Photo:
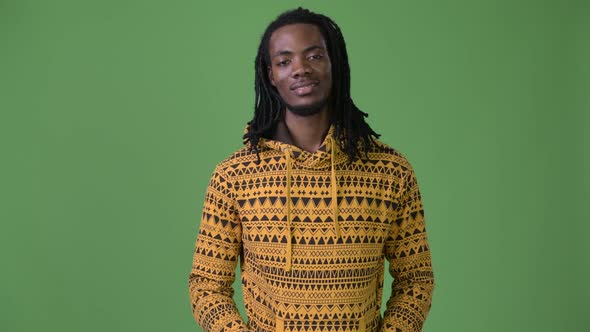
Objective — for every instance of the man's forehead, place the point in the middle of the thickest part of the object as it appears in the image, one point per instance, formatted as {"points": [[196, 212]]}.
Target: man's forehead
{"points": [[296, 38], [287, 51]]}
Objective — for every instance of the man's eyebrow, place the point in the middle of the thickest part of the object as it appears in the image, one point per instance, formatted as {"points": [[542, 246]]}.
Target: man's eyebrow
{"points": [[307, 49]]}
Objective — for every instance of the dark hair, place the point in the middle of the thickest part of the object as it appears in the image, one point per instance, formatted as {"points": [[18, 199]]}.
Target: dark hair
{"points": [[350, 126]]}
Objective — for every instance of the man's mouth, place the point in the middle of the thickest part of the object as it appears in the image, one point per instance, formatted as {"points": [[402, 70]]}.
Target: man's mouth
{"points": [[304, 88]]}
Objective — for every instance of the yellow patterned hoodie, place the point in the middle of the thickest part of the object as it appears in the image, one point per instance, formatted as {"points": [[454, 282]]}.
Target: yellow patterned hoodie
{"points": [[312, 232]]}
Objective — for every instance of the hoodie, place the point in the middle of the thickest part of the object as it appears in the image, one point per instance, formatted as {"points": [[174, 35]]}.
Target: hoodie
{"points": [[312, 233]]}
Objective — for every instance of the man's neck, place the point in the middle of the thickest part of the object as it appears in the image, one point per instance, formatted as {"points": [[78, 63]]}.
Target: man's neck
{"points": [[305, 132]]}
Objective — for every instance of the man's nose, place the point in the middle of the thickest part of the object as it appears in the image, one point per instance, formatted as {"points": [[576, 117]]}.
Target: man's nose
{"points": [[300, 68]]}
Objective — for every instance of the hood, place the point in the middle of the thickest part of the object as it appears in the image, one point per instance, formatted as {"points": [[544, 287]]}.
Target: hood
{"points": [[328, 157]]}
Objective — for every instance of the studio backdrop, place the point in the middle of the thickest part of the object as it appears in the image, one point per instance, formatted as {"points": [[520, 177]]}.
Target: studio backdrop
{"points": [[114, 114]]}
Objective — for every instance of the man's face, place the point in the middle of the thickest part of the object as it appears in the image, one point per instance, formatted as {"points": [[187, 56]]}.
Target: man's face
{"points": [[300, 68]]}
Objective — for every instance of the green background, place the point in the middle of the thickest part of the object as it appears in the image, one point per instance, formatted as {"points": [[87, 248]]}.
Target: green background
{"points": [[114, 114]]}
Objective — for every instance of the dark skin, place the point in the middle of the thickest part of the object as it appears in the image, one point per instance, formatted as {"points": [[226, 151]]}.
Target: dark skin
{"points": [[301, 72]]}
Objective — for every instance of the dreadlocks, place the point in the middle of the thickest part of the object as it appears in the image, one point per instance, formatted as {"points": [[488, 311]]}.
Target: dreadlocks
{"points": [[350, 126]]}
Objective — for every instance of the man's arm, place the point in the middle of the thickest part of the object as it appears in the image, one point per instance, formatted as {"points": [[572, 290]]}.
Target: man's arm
{"points": [[408, 253], [215, 258]]}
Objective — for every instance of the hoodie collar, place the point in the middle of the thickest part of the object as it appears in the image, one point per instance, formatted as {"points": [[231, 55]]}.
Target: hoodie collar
{"points": [[326, 154]]}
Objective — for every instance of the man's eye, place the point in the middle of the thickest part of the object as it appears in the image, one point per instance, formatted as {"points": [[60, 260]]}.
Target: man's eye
{"points": [[316, 56], [283, 63]]}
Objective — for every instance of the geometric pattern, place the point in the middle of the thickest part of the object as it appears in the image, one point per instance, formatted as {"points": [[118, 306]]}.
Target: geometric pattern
{"points": [[312, 233]]}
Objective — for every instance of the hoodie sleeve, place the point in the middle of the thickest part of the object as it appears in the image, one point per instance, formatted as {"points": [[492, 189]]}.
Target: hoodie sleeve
{"points": [[216, 253], [408, 253]]}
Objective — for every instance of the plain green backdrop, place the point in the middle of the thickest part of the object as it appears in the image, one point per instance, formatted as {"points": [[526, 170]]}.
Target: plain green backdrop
{"points": [[114, 114]]}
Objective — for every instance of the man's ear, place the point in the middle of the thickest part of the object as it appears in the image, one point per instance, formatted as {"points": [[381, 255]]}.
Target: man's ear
{"points": [[272, 81]]}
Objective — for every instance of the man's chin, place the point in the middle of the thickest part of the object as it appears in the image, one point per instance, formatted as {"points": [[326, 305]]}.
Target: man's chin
{"points": [[307, 110]]}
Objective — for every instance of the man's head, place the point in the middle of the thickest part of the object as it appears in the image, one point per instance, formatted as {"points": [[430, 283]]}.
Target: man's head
{"points": [[299, 35], [299, 68]]}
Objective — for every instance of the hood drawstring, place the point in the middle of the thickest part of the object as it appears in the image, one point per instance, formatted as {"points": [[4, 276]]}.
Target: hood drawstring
{"points": [[288, 206], [334, 184], [334, 194]]}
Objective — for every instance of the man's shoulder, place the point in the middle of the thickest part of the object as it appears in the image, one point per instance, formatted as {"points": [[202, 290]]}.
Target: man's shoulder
{"points": [[382, 152], [239, 158]]}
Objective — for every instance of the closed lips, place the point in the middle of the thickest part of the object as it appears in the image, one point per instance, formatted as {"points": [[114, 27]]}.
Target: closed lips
{"points": [[303, 84]]}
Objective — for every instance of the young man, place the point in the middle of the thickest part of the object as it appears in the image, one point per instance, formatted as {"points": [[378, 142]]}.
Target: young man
{"points": [[313, 204]]}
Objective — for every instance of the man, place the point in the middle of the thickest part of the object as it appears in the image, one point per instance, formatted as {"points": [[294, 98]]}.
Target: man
{"points": [[313, 204]]}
